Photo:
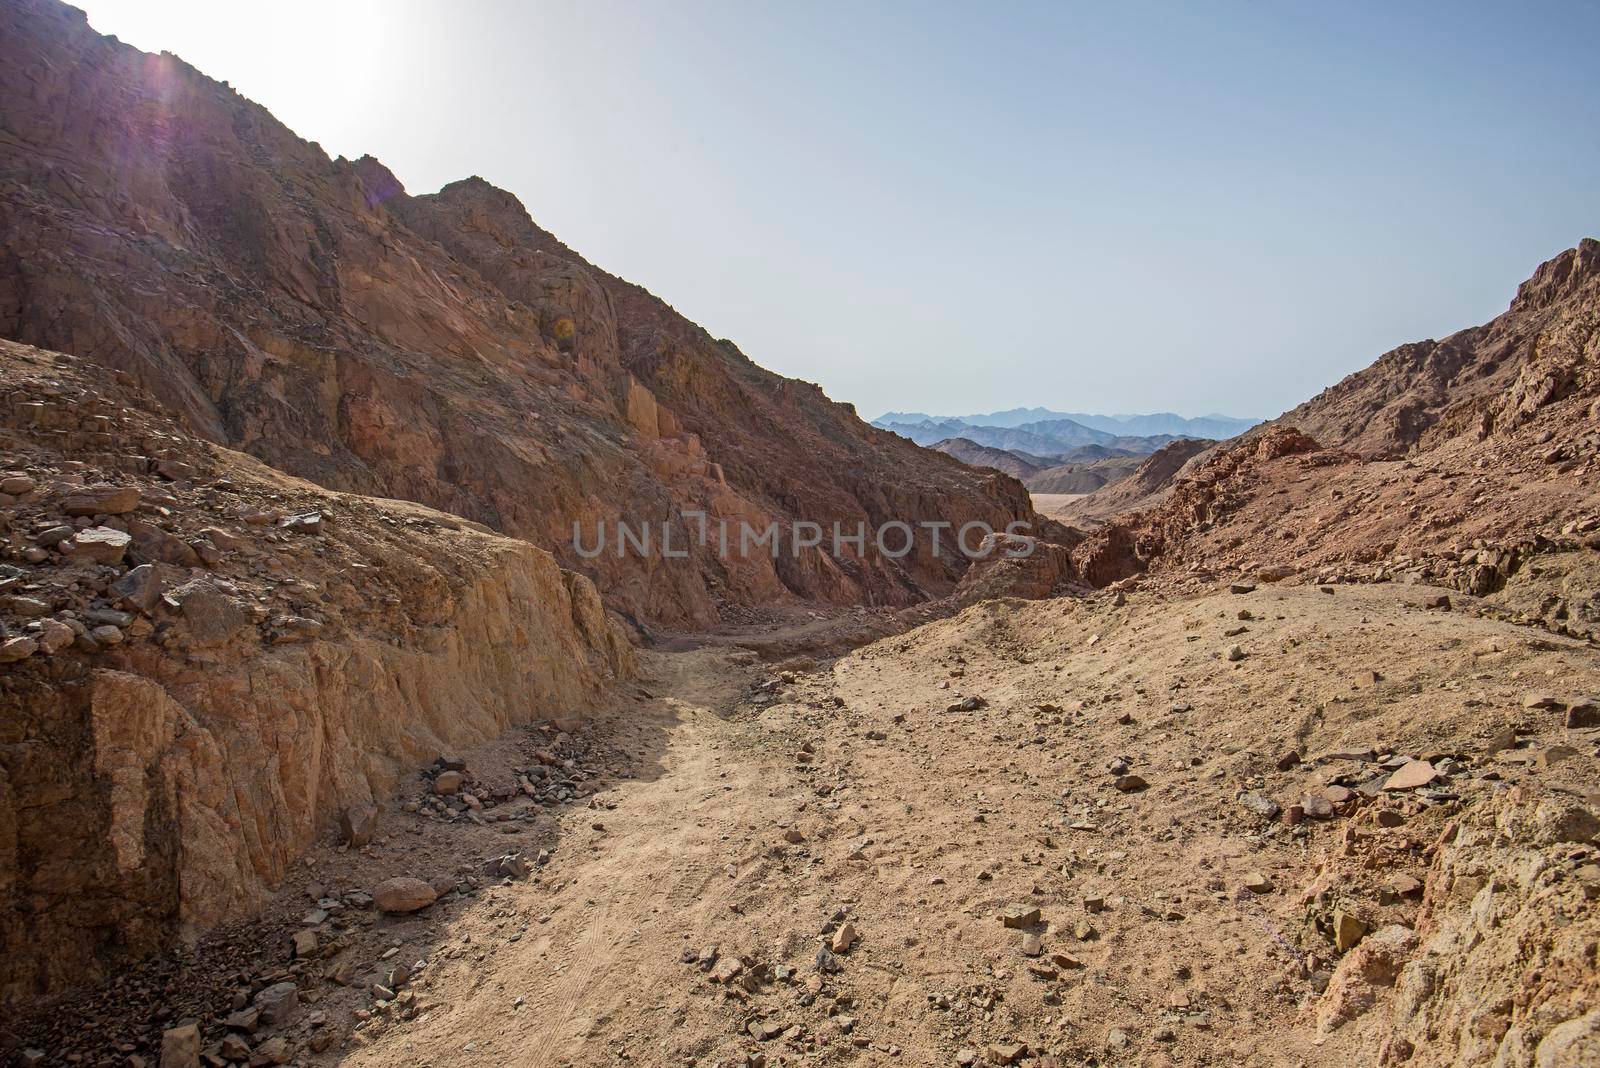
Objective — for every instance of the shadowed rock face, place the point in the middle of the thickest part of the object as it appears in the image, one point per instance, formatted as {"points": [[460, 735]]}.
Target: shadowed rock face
{"points": [[439, 348]]}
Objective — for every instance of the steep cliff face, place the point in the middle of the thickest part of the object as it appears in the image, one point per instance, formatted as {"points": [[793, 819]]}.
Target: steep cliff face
{"points": [[438, 348], [204, 662]]}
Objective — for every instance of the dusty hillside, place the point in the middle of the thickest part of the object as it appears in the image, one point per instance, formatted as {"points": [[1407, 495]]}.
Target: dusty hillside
{"points": [[1468, 513], [1085, 477], [205, 663], [1474, 394], [1484, 381], [1142, 487], [437, 348]]}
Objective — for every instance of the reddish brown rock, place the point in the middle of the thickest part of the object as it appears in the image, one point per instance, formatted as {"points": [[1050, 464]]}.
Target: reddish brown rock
{"points": [[1410, 776], [101, 500], [99, 545], [403, 894]]}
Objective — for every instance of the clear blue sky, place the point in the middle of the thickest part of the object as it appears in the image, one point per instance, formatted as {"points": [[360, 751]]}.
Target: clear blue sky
{"points": [[1195, 207]]}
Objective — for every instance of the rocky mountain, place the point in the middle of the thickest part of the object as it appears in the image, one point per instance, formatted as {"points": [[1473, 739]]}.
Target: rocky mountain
{"points": [[1090, 453], [1054, 438], [1478, 382], [1018, 465], [439, 348], [1476, 392], [1090, 466], [1085, 477], [1139, 486]]}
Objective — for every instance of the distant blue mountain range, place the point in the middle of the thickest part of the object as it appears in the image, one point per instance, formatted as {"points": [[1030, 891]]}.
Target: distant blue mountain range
{"points": [[1040, 420]]}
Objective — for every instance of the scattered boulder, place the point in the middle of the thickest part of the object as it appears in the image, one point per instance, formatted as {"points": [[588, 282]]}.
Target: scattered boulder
{"points": [[234, 1048], [1348, 929], [99, 545], [25, 607], [510, 866], [278, 1004], [1411, 775], [153, 545], [1583, 714], [304, 943], [1007, 1052], [1260, 805], [101, 500], [302, 523], [222, 539], [358, 824], [108, 634], [274, 1050], [54, 636], [140, 588], [1316, 806], [53, 536], [212, 616], [403, 894], [180, 1047]]}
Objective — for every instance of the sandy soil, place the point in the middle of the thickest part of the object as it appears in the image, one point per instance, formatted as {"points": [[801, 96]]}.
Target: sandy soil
{"points": [[750, 811], [1054, 504]]}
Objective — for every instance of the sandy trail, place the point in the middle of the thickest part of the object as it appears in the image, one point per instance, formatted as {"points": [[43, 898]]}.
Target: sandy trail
{"points": [[766, 807], [615, 905]]}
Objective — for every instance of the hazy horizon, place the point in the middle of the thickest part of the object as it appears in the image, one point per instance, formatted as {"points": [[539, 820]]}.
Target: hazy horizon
{"points": [[1152, 209], [1064, 413]]}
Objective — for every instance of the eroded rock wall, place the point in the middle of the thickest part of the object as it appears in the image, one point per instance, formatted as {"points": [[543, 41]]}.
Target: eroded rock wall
{"points": [[191, 697]]}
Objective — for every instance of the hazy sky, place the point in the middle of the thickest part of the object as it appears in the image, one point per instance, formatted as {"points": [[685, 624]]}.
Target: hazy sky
{"points": [[1097, 207]]}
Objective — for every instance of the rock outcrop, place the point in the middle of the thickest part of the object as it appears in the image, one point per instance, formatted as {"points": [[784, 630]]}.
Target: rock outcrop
{"points": [[1215, 490], [177, 727], [438, 348], [1505, 973]]}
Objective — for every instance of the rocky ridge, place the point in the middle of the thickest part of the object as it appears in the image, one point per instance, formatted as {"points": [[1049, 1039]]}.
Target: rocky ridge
{"points": [[1481, 382], [1018, 465], [438, 348]]}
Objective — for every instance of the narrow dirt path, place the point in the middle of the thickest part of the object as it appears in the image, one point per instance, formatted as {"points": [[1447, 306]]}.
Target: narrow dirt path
{"points": [[578, 968]]}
